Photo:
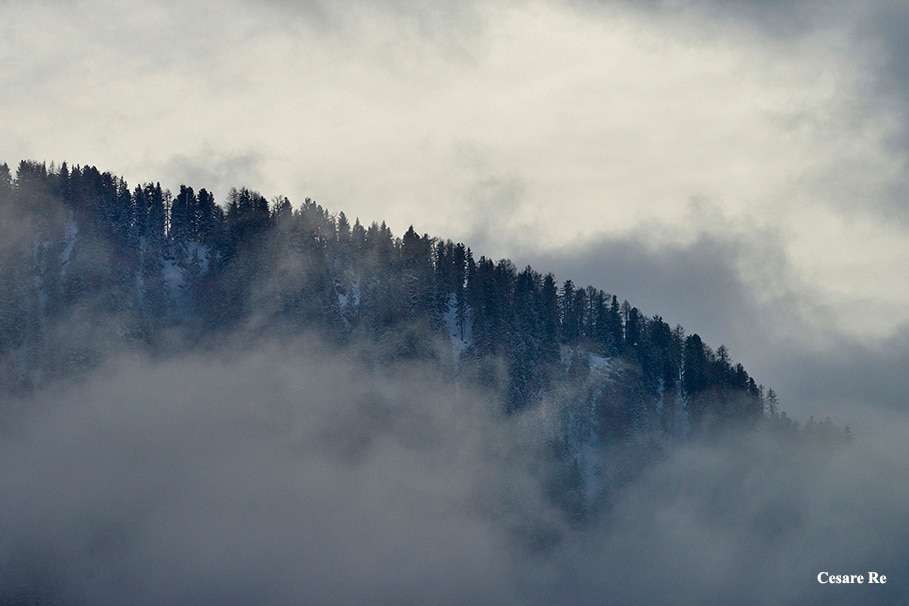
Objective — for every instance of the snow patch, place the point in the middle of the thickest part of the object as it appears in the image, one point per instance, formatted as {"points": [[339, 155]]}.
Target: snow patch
{"points": [[599, 363], [69, 242], [199, 254], [173, 275]]}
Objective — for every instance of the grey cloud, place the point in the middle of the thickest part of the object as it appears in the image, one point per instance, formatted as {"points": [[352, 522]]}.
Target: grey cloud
{"points": [[696, 285], [755, 522], [296, 475], [778, 18], [274, 477], [849, 378], [700, 285], [884, 36]]}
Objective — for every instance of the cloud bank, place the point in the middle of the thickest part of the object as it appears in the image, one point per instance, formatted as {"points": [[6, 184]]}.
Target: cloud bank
{"points": [[296, 475]]}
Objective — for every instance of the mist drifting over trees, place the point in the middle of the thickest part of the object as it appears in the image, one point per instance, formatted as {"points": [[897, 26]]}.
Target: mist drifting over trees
{"points": [[263, 402]]}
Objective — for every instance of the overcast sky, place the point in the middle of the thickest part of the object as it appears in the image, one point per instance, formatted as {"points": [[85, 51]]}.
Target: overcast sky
{"points": [[737, 167]]}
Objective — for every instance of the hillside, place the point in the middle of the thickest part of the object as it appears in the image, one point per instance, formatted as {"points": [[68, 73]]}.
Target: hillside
{"points": [[140, 265], [344, 341], [92, 267]]}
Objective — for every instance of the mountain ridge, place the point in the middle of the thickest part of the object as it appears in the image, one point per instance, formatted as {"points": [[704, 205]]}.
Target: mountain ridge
{"points": [[147, 267]]}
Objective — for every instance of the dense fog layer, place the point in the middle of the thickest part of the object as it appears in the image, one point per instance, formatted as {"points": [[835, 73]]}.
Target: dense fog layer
{"points": [[294, 474]]}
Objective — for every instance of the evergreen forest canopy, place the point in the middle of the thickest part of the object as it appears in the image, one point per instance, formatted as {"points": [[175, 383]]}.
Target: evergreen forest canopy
{"points": [[89, 263]]}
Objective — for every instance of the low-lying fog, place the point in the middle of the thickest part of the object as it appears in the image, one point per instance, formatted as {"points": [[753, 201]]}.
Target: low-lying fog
{"points": [[298, 475]]}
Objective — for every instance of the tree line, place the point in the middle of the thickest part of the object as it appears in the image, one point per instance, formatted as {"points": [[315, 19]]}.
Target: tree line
{"points": [[160, 259]]}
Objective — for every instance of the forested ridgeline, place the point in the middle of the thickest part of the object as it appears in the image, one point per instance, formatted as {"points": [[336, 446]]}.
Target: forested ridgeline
{"points": [[88, 262]]}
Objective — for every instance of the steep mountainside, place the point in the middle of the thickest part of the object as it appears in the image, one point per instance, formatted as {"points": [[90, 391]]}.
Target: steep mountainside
{"points": [[90, 267]]}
